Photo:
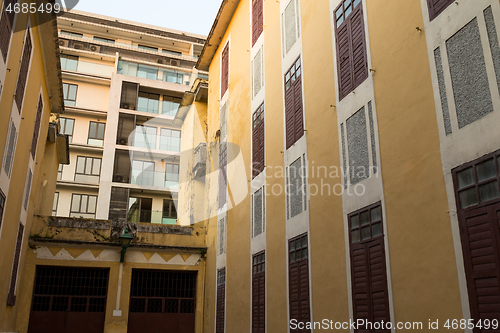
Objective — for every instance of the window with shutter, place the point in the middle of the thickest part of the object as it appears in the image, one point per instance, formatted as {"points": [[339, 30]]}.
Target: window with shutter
{"points": [[221, 301], [259, 212], [368, 267], [11, 297], [352, 60], [477, 194], [224, 80], [290, 26], [27, 189], [36, 130], [257, 19], [436, 7], [298, 281], [2, 206], [296, 185], [221, 235], [96, 133], [294, 118], [6, 27], [257, 72], [259, 293], [8, 157], [222, 174], [258, 141], [23, 71]]}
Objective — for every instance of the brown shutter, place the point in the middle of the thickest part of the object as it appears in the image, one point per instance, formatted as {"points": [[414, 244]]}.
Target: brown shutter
{"points": [[224, 70], [11, 297], [436, 7], [6, 22], [293, 104], [222, 174], [298, 282], [298, 114], [352, 63], [289, 117], [221, 301], [259, 294], [257, 19], [36, 130], [23, 72], [258, 142]]}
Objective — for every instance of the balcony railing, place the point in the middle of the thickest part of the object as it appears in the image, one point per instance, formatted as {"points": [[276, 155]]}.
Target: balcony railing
{"points": [[149, 216], [86, 67], [154, 73], [152, 178]]}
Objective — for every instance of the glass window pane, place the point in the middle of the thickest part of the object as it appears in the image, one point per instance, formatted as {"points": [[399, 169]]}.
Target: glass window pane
{"points": [[486, 170], [348, 11], [304, 253], [338, 13], [292, 246], [80, 164], [354, 221], [498, 163], [356, 2], [339, 21], [365, 233], [92, 130], [468, 198], [465, 178], [83, 205], [298, 255], [292, 257], [365, 218], [92, 204], [96, 168], [355, 236], [72, 92], [100, 131], [304, 241], [376, 214], [377, 229], [75, 203], [489, 191]]}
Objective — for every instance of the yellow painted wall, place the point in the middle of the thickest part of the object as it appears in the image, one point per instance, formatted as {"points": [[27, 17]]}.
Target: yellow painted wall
{"points": [[422, 258], [90, 95]]}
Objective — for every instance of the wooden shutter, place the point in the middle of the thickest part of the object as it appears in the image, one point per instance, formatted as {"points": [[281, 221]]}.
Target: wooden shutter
{"points": [[289, 117], [6, 27], [259, 294], [11, 298], [222, 174], [258, 141], [298, 282], [294, 117], [36, 130], [224, 71], [221, 301], [436, 7], [298, 114], [257, 19], [352, 63], [23, 72]]}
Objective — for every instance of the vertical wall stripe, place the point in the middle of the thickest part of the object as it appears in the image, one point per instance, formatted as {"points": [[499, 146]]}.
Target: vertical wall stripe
{"points": [[442, 91], [344, 159], [493, 38], [372, 137]]}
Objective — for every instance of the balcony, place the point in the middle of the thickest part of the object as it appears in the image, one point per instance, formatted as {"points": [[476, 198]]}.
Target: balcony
{"points": [[200, 157], [69, 63], [154, 178]]}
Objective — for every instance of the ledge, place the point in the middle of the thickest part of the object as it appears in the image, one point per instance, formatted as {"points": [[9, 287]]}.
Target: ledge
{"points": [[164, 229], [68, 222]]}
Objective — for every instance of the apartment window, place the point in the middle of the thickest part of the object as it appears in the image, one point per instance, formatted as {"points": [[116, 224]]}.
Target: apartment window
{"points": [[368, 265], [222, 174], [145, 72], [96, 133], [145, 136], [170, 140], [170, 105], [171, 174], [169, 214], [173, 76], [298, 280], [257, 19], [55, 203], [224, 70], [293, 104], [6, 27], [36, 129], [221, 235], [2, 206], [221, 301], [436, 7], [258, 72], [143, 173], [259, 293], [27, 189], [478, 183], [69, 62], [148, 102], [8, 157], [23, 71], [66, 127], [296, 185], [88, 169], [59, 172], [147, 48], [140, 210], [352, 63], [290, 26], [171, 52], [72, 34], [258, 141], [69, 91], [11, 297], [259, 212], [83, 205], [104, 40]]}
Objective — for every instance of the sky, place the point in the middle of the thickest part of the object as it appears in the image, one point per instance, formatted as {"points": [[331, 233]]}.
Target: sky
{"points": [[195, 16]]}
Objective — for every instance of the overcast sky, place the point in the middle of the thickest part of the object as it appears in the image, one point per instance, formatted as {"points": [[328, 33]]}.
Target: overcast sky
{"points": [[196, 16]]}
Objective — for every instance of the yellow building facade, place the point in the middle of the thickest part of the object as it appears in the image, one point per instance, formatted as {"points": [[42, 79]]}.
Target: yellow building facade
{"points": [[31, 147], [352, 170]]}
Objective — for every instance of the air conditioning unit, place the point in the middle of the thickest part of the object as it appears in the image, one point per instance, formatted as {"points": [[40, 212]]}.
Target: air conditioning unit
{"points": [[160, 61], [63, 43], [126, 106], [118, 179], [95, 48], [174, 62], [122, 142], [78, 46]]}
